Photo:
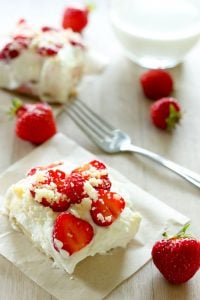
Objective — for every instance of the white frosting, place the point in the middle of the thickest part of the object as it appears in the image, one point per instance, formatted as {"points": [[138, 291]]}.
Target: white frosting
{"points": [[37, 222]]}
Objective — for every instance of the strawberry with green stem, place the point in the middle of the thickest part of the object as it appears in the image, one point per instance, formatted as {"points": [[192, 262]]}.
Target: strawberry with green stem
{"points": [[165, 113], [76, 18], [35, 122], [177, 257]]}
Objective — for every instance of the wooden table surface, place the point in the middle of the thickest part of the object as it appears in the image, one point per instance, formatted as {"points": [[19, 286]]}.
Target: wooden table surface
{"points": [[116, 94]]}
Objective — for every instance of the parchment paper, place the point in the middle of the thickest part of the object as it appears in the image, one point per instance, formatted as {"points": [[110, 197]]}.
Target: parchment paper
{"points": [[96, 276]]}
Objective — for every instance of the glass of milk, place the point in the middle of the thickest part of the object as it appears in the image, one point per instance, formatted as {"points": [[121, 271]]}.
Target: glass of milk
{"points": [[156, 33]]}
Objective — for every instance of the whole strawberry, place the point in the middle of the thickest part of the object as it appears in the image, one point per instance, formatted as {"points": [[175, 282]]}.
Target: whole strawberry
{"points": [[165, 113], [75, 18], [35, 122], [177, 257], [156, 84]]}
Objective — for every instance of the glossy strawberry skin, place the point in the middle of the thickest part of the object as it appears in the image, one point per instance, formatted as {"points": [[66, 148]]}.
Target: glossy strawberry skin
{"points": [[75, 18], [58, 178], [107, 208], [9, 52], [14, 48], [85, 169], [35, 123], [74, 188], [178, 259], [44, 51], [73, 232], [156, 84], [47, 29], [62, 205], [165, 113]]}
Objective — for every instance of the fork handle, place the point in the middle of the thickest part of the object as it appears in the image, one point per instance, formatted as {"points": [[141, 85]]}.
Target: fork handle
{"points": [[190, 176]]}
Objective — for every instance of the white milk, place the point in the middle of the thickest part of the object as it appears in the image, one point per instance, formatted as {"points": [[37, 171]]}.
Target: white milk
{"points": [[156, 33]]}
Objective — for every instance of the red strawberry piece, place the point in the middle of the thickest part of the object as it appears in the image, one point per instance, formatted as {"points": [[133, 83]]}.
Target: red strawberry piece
{"points": [[25, 89], [48, 28], [74, 188], [22, 40], [14, 48], [57, 177], [61, 205], [76, 44], [73, 233], [97, 164], [156, 84], [10, 51], [47, 51], [21, 21], [32, 171], [165, 113], [35, 122], [75, 18], [107, 208], [97, 170], [178, 257]]}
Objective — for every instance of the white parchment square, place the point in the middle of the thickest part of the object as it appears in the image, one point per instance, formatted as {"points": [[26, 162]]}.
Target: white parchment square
{"points": [[96, 276]]}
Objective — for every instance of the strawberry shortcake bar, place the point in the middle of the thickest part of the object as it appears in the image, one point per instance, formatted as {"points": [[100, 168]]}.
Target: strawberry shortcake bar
{"points": [[46, 62], [72, 213]]}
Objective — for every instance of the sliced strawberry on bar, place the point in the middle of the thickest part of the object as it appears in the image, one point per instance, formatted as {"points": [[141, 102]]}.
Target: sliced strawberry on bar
{"points": [[21, 21], [10, 51], [107, 208], [48, 28], [47, 51], [60, 205], [71, 233], [74, 188], [56, 176], [55, 179], [76, 44], [96, 172]]}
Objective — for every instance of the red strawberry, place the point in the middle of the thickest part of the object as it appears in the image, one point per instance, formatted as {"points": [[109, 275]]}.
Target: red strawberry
{"points": [[73, 233], [58, 178], [35, 122], [47, 29], [165, 113], [96, 170], [75, 18], [156, 84], [178, 257], [10, 51], [107, 208], [21, 21], [76, 44], [13, 49], [62, 204], [50, 51], [22, 40], [74, 188]]}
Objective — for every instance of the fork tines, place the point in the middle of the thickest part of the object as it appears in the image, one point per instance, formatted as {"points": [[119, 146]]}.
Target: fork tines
{"points": [[88, 120]]}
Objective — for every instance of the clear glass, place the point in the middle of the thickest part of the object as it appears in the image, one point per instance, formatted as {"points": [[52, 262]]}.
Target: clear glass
{"points": [[156, 33]]}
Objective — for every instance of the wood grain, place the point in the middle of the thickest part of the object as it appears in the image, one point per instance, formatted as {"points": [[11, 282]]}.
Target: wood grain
{"points": [[117, 95]]}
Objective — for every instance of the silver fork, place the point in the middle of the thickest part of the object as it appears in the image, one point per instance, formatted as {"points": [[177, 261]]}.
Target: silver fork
{"points": [[113, 140]]}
